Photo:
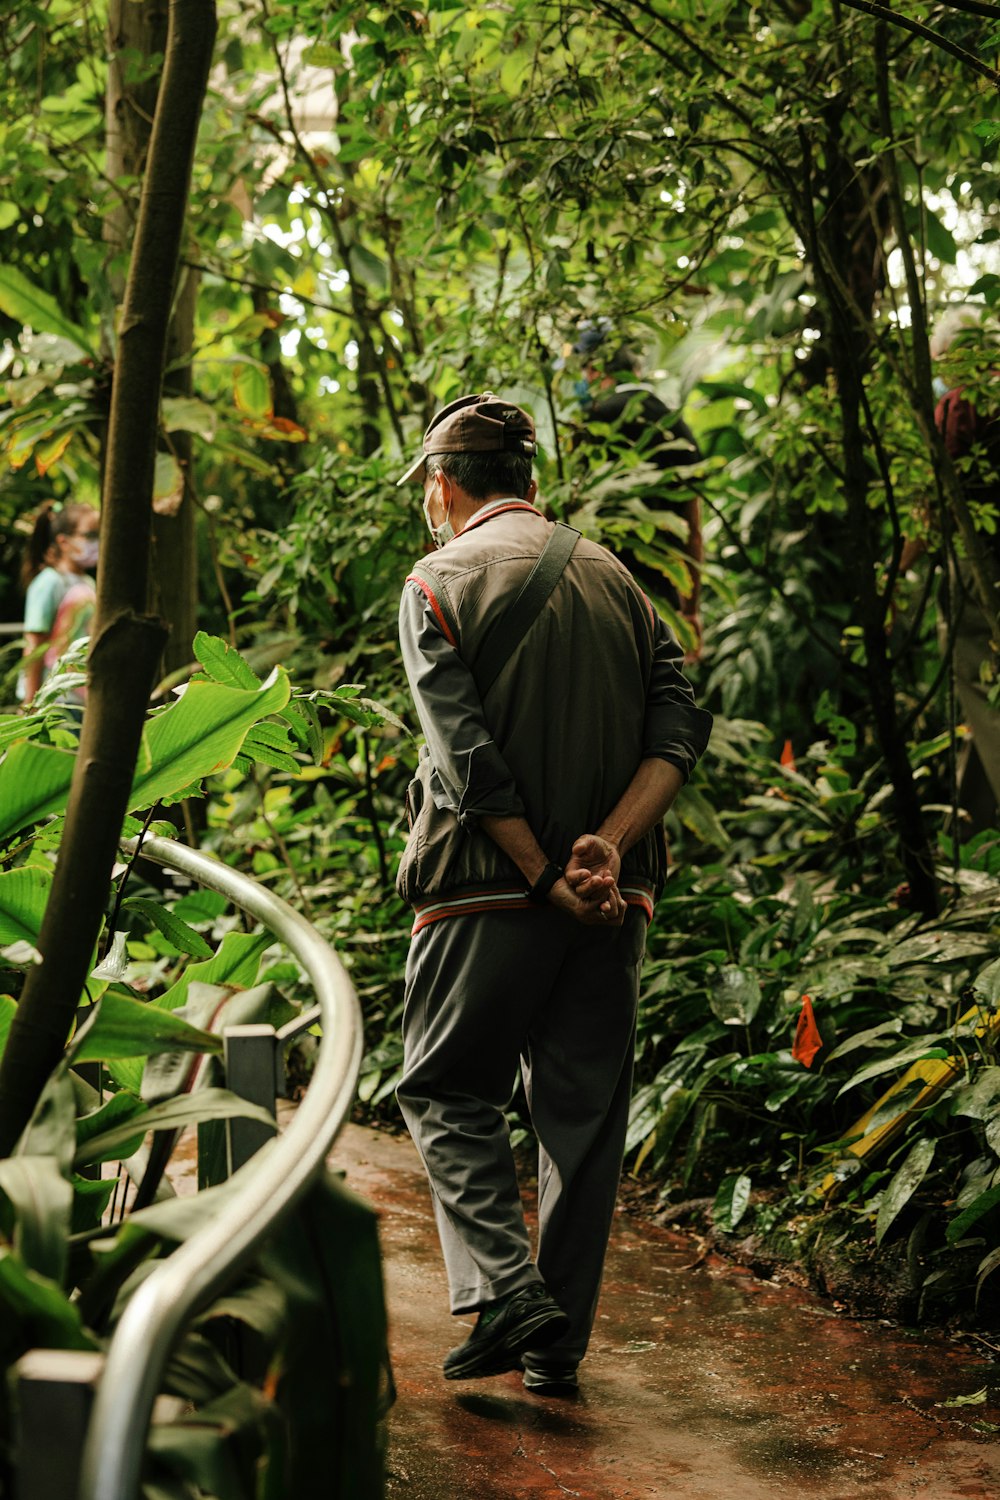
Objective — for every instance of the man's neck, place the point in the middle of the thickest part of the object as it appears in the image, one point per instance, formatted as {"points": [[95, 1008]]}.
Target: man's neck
{"points": [[464, 507]]}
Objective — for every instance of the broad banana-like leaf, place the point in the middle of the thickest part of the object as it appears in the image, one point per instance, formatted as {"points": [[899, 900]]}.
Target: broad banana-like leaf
{"points": [[30, 1304], [903, 1185], [51, 1131], [235, 964], [23, 894], [134, 1028], [172, 1114], [7, 1008], [202, 734], [41, 1202], [197, 736], [731, 1201], [26, 303], [34, 783]]}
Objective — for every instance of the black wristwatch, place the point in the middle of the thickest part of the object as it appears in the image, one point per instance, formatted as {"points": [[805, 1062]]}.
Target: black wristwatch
{"points": [[547, 879]]}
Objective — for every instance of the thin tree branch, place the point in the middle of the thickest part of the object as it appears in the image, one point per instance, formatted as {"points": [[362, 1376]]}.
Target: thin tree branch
{"points": [[892, 18], [973, 8]]}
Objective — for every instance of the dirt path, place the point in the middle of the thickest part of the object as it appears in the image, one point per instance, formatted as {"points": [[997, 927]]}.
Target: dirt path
{"points": [[702, 1383]]}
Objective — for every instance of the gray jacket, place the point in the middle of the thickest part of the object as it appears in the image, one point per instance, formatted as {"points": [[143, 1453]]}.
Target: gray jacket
{"points": [[592, 689]]}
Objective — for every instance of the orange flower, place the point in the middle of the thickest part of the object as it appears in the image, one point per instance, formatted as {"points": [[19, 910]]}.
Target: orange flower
{"points": [[807, 1038]]}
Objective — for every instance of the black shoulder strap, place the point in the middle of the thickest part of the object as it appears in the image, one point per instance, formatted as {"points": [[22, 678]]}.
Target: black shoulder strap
{"points": [[524, 608]]}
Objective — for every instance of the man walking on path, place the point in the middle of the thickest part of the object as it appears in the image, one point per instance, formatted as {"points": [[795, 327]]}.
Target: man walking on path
{"points": [[559, 729]]}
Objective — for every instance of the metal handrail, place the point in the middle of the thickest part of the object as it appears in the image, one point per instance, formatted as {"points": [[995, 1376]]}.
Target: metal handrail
{"points": [[266, 1189]]}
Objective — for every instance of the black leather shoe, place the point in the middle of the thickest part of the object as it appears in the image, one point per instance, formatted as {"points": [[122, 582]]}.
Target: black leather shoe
{"points": [[529, 1317], [552, 1380]]}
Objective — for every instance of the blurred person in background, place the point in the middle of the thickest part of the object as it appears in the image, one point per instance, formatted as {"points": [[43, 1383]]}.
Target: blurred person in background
{"points": [[59, 589]]}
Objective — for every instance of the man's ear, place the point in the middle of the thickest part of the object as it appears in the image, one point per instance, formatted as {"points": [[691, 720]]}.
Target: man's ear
{"points": [[532, 492]]}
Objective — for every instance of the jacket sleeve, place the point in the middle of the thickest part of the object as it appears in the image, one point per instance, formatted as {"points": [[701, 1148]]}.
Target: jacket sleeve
{"points": [[676, 729], [470, 777]]}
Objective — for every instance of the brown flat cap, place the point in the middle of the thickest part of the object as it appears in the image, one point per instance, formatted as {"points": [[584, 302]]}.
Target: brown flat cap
{"points": [[476, 424]]}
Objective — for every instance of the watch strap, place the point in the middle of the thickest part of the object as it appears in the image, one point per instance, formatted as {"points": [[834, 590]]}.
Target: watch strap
{"points": [[539, 892]]}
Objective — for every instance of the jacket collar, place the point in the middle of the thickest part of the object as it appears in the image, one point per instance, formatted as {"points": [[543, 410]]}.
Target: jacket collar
{"points": [[497, 508]]}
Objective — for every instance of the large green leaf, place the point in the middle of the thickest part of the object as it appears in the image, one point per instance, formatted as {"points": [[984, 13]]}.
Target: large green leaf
{"points": [[26, 303], [18, 727], [186, 414], [697, 813], [23, 894], [986, 985], [32, 1305], [864, 1038], [203, 1449], [326, 1259], [368, 268], [975, 1211], [257, 1302], [134, 1028], [252, 389], [41, 1200], [235, 964], [8, 1006], [121, 1106], [986, 1268], [903, 1185], [731, 1201], [978, 1099], [34, 784], [926, 1047], [51, 1131], [202, 734], [172, 1114]]}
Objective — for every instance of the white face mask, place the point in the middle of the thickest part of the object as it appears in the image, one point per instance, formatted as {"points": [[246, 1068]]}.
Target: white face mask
{"points": [[440, 535], [83, 553]]}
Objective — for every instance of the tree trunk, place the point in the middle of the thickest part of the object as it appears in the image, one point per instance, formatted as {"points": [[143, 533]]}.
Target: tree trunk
{"points": [[850, 345], [127, 643], [139, 28]]}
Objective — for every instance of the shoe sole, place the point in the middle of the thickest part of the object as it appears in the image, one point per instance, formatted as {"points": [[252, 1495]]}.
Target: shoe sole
{"points": [[536, 1332], [563, 1388]]}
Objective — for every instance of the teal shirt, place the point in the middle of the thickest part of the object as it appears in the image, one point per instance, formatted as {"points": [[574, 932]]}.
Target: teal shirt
{"points": [[45, 593], [44, 596]]}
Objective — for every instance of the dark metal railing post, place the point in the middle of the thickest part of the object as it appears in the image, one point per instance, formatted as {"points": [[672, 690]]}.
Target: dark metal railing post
{"points": [[250, 1053], [55, 1391]]}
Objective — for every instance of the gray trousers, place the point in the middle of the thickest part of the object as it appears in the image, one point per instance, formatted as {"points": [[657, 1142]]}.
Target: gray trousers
{"points": [[482, 993]]}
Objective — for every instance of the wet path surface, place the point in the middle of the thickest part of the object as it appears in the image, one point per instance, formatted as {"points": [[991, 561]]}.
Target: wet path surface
{"points": [[701, 1382]]}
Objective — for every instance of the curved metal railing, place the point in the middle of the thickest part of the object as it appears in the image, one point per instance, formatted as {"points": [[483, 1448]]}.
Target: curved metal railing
{"points": [[264, 1191]]}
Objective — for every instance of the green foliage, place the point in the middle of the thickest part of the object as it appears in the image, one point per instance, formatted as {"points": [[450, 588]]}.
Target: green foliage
{"points": [[66, 1268], [490, 178], [733, 949]]}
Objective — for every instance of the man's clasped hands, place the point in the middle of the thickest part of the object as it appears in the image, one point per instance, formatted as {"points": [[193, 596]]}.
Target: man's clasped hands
{"points": [[588, 890]]}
